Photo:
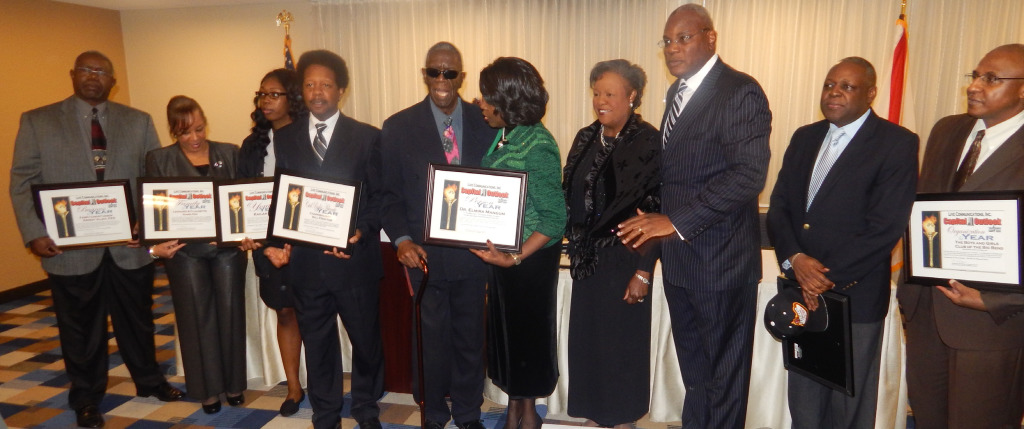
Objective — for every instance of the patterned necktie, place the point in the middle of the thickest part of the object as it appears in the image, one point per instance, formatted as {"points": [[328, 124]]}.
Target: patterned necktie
{"points": [[99, 146], [824, 165], [451, 147], [970, 161], [320, 143], [677, 108]]}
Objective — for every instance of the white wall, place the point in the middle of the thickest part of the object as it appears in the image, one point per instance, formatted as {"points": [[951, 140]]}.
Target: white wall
{"points": [[216, 55]]}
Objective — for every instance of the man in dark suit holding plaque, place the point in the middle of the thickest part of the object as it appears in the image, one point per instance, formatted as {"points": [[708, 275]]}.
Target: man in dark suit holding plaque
{"points": [[328, 284], [68, 142], [965, 348], [840, 204], [442, 129], [715, 132]]}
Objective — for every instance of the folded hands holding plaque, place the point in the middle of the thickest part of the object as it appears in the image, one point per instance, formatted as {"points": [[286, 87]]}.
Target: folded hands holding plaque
{"points": [[972, 237]]}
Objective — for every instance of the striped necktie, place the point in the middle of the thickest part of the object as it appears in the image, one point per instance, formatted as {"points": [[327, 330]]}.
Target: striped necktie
{"points": [[320, 143], [677, 108], [99, 145], [970, 162], [823, 166]]}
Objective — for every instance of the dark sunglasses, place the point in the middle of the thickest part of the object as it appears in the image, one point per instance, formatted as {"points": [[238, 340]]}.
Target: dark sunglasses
{"points": [[448, 74]]}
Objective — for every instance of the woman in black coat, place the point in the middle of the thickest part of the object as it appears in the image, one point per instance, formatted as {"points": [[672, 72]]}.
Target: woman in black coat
{"points": [[278, 102], [613, 170]]}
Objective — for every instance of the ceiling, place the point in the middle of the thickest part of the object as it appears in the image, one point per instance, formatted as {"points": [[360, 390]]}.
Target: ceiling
{"points": [[167, 4]]}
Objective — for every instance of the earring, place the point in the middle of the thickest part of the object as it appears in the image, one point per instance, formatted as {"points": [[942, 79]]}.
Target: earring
{"points": [[630, 104]]}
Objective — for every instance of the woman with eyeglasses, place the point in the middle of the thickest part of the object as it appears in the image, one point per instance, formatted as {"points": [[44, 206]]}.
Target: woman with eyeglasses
{"points": [[522, 293], [207, 282], [613, 170], [278, 103]]}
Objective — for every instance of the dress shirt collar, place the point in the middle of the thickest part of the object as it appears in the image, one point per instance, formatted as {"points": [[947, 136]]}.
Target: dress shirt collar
{"points": [[849, 130], [694, 81], [995, 136], [440, 117], [328, 132], [83, 109]]}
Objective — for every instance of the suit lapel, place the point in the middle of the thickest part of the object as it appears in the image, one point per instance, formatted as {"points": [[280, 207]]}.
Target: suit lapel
{"points": [[697, 104], [80, 152], [852, 157], [339, 138], [1007, 156], [430, 141]]}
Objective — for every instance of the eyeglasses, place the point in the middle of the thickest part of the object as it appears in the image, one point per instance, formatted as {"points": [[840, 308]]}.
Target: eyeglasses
{"points": [[448, 74], [681, 40], [86, 71], [988, 78], [272, 95]]}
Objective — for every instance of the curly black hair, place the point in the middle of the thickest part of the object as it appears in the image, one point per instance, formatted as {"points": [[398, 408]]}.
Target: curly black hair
{"points": [[296, 107], [323, 57], [515, 89]]}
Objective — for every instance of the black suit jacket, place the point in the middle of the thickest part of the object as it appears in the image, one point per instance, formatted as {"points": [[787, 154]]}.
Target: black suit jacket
{"points": [[713, 168], [352, 154], [1002, 326], [411, 140], [859, 213]]}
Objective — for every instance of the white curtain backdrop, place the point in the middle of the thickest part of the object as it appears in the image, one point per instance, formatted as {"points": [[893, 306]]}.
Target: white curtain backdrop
{"points": [[787, 45]]}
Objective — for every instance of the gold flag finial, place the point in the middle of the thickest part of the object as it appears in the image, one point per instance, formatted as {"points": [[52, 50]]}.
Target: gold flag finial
{"points": [[285, 18], [903, 9]]}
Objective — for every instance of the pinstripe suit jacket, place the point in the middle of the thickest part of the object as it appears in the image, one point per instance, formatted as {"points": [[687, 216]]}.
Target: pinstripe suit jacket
{"points": [[713, 168], [859, 212], [52, 148], [1002, 327]]}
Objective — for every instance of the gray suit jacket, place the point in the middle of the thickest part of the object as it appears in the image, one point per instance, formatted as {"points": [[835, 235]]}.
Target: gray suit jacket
{"points": [[713, 167], [1002, 327], [52, 148]]}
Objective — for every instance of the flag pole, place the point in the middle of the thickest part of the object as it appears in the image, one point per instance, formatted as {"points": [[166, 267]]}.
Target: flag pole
{"points": [[285, 18]]}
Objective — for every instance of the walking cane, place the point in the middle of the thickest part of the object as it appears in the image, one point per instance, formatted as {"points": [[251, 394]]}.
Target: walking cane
{"points": [[419, 343]]}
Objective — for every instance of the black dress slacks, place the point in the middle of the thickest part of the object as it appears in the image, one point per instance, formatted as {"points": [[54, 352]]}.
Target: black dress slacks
{"points": [[82, 303]]}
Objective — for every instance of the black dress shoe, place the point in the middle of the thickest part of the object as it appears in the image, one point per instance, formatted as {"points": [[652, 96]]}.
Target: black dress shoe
{"points": [[291, 406], [430, 424], [235, 401], [370, 423], [473, 424], [164, 392], [212, 408], [89, 417]]}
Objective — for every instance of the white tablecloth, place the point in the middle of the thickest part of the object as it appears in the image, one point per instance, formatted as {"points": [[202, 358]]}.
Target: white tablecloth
{"points": [[767, 408]]}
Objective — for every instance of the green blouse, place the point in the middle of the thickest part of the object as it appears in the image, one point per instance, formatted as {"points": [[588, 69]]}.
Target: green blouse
{"points": [[532, 148]]}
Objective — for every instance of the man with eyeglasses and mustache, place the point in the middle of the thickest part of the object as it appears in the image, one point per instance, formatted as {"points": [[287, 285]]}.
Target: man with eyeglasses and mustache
{"points": [[443, 129], [965, 347], [68, 142]]}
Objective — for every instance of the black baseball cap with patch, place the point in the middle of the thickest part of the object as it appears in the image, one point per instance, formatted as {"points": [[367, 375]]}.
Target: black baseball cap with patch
{"points": [[786, 316]]}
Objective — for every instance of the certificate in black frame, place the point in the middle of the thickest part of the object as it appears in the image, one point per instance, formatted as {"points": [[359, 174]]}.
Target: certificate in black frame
{"points": [[302, 211], [489, 204], [158, 202], [973, 237], [107, 203]]}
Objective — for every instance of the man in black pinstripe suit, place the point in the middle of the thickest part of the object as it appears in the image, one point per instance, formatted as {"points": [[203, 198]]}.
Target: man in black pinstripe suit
{"points": [[715, 132]]}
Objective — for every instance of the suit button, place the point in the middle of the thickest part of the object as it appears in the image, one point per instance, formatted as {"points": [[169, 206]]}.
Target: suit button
{"points": [[807, 226]]}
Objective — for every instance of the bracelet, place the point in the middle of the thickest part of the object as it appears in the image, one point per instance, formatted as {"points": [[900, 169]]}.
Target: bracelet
{"points": [[151, 254], [643, 279], [515, 259]]}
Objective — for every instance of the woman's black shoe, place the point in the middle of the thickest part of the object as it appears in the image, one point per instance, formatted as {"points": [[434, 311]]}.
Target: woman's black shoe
{"points": [[235, 401], [212, 408], [291, 406]]}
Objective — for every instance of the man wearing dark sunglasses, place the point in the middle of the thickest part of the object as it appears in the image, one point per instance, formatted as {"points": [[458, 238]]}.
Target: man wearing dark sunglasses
{"points": [[443, 129]]}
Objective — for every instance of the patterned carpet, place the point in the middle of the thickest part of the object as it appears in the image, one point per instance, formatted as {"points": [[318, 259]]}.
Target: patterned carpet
{"points": [[33, 393]]}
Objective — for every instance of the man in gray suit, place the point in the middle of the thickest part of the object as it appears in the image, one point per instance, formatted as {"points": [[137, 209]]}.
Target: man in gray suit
{"points": [[86, 138], [965, 347], [715, 132]]}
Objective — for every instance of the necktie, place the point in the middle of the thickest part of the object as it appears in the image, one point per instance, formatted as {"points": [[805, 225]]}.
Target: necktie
{"points": [[451, 147], [677, 108], [99, 146], [824, 165], [970, 161], [320, 143]]}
